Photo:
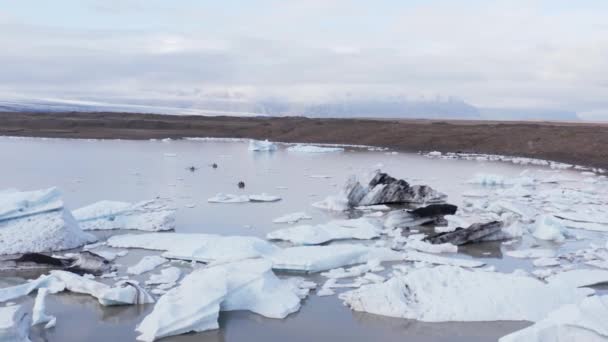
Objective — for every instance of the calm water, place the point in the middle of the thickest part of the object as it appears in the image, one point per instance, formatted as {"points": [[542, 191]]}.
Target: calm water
{"points": [[88, 171]]}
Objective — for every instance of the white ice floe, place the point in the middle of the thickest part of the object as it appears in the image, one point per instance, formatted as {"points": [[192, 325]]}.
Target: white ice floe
{"points": [[229, 198], [146, 264], [532, 253], [322, 258], [37, 221], [579, 278], [292, 218], [314, 149], [355, 271], [262, 145], [39, 315], [199, 247], [14, 324], [423, 246], [439, 260], [546, 262], [122, 293], [196, 303], [109, 255], [167, 276], [584, 321], [152, 215], [361, 229], [547, 227], [447, 293]]}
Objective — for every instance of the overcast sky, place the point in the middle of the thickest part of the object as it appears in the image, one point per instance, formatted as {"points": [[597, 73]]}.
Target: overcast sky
{"points": [[515, 53]]}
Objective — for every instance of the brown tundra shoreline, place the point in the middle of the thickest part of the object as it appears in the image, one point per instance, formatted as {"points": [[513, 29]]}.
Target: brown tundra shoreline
{"points": [[576, 143]]}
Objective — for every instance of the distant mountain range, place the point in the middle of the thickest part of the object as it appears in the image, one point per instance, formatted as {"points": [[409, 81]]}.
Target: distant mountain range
{"points": [[371, 108]]}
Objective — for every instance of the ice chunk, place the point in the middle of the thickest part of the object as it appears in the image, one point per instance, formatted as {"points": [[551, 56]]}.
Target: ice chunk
{"points": [[39, 314], [292, 218], [430, 248], [546, 262], [446, 293], [531, 253], [314, 149], [584, 321], [199, 247], [146, 264], [167, 276], [245, 285], [361, 229], [579, 278], [264, 198], [333, 203], [322, 258], [36, 221], [547, 227], [262, 146], [228, 198], [439, 260], [153, 215], [14, 324]]}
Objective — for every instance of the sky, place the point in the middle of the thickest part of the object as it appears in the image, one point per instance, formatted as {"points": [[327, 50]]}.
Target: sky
{"points": [[513, 54]]}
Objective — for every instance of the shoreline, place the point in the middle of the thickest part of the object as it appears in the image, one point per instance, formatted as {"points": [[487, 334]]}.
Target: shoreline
{"points": [[573, 143]]}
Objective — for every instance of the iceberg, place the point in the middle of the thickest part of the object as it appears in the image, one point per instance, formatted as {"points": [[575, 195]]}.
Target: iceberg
{"points": [[447, 293], [262, 146], [198, 247], [14, 324], [167, 275], [39, 315], [154, 215], [196, 303], [314, 149], [584, 321], [579, 278], [264, 198], [333, 203], [548, 227], [361, 229], [146, 264], [292, 218], [37, 221], [122, 293], [322, 258], [439, 260]]}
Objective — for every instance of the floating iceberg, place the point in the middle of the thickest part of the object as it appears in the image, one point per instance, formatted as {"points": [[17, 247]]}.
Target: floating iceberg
{"points": [[167, 275], [262, 146], [584, 321], [548, 227], [229, 198], [314, 149], [292, 218], [439, 260], [322, 258], [37, 221], [146, 264], [39, 314], [579, 278], [196, 303], [332, 203], [199, 247], [122, 293], [14, 324], [361, 229], [154, 215], [446, 293]]}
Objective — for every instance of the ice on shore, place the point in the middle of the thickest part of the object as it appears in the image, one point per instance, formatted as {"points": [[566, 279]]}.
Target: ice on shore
{"points": [[39, 315], [447, 293], [322, 258], [37, 221], [292, 218], [229, 198], [123, 293], [262, 145], [14, 324], [195, 304], [152, 215], [314, 149], [146, 264], [361, 229], [199, 247], [584, 321]]}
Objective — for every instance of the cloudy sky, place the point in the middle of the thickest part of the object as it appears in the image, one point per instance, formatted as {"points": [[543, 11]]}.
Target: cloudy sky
{"points": [[515, 53]]}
